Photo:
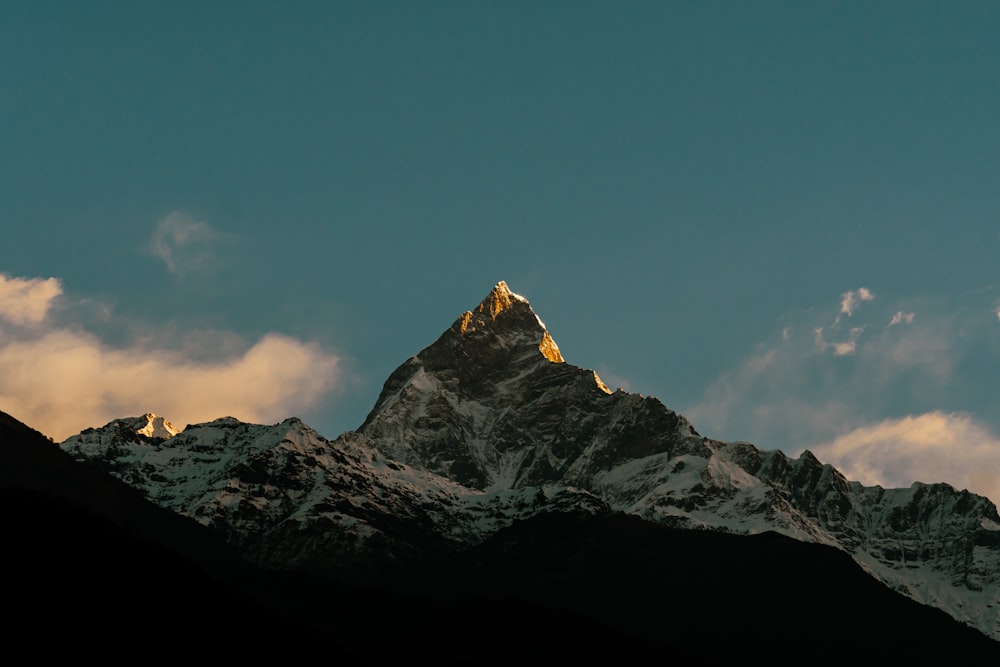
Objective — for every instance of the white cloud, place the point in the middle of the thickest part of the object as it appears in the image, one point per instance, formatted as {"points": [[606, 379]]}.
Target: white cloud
{"points": [[27, 300], [840, 348], [849, 300], [182, 242], [794, 390], [930, 447], [901, 318], [61, 379]]}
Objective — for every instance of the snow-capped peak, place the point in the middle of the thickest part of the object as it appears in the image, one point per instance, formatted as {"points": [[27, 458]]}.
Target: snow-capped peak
{"points": [[157, 427], [499, 300], [517, 321]]}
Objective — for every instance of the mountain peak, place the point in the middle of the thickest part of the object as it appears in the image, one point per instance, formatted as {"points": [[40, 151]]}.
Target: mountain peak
{"points": [[518, 317], [155, 427], [499, 300]]}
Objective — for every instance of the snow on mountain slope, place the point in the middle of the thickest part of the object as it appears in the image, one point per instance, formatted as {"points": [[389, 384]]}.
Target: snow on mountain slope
{"points": [[489, 424], [289, 498]]}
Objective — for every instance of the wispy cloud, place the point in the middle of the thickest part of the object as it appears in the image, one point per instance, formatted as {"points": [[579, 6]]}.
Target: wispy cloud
{"points": [[931, 447], [901, 318], [27, 300], [60, 378], [183, 242], [842, 347], [850, 300], [774, 398], [872, 408], [847, 344], [815, 379]]}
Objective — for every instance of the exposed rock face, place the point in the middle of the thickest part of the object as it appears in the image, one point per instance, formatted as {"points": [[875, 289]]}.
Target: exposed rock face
{"points": [[489, 425], [491, 404]]}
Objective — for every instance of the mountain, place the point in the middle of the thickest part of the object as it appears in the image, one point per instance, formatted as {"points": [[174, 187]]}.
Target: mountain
{"points": [[288, 498], [492, 404], [489, 460]]}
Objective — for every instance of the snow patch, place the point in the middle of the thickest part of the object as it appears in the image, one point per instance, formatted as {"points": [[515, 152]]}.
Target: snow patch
{"points": [[989, 524]]}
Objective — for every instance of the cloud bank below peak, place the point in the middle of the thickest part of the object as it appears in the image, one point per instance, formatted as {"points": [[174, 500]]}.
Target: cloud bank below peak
{"points": [[60, 378]]}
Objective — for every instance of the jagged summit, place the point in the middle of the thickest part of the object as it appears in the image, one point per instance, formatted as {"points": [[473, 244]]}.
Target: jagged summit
{"points": [[150, 425], [486, 405], [156, 427], [499, 300], [489, 352], [148, 428], [511, 318]]}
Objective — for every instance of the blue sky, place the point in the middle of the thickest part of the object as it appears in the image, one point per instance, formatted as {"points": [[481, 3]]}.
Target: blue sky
{"points": [[777, 217]]}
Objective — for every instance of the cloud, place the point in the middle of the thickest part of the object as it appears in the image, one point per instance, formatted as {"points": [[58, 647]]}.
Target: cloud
{"points": [[931, 447], [182, 242], [776, 398], [814, 379], [27, 300], [60, 379], [849, 300], [901, 318], [840, 348]]}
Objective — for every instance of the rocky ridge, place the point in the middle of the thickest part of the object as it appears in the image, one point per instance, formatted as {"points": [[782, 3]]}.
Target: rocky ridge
{"points": [[288, 498]]}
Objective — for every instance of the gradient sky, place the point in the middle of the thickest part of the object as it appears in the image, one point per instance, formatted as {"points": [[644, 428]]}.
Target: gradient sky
{"points": [[780, 218]]}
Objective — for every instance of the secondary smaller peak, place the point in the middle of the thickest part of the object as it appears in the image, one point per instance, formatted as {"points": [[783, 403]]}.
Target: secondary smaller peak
{"points": [[156, 427]]}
